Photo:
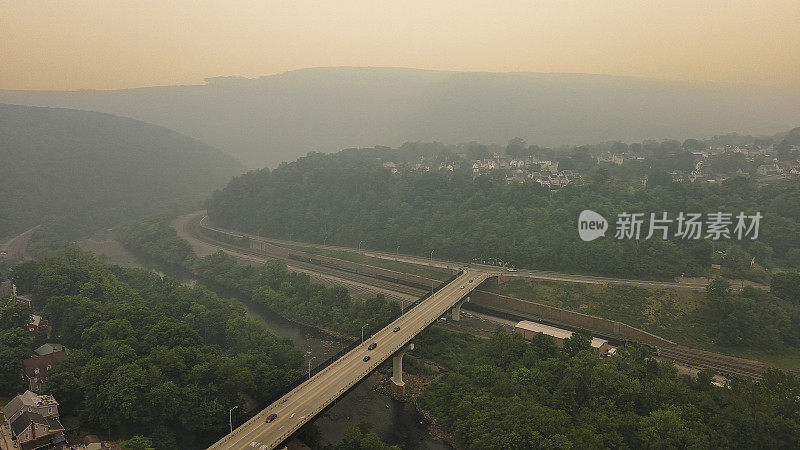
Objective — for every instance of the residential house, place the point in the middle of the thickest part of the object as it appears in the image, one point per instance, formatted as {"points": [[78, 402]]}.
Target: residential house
{"points": [[36, 325], [21, 299], [34, 421], [36, 367]]}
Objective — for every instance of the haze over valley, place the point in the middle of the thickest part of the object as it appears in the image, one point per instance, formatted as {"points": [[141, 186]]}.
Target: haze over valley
{"points": [[277, 118]]}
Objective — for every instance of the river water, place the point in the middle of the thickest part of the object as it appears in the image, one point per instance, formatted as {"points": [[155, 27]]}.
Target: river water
{"points": [[397, 423]]}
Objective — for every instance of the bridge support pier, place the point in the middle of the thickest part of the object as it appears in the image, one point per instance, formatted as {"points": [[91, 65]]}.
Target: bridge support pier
{"points": [[398, 387], [456, 311]]}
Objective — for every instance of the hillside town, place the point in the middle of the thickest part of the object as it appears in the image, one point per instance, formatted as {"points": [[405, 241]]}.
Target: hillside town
{"points": [[711, 164]]}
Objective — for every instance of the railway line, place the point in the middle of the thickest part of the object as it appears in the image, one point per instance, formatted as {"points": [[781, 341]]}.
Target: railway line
{"points": [[724, 365]]}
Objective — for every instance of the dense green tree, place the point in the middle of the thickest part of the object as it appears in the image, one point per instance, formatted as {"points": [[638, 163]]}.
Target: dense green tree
{"points": [[138, 443], [580, 340], [15, 346], [576, 400], [14, 316], [150, 357], [361, 437], [786, 285]]}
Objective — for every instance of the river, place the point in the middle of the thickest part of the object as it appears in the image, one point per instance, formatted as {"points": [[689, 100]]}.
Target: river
{"points": [[397, 423]]}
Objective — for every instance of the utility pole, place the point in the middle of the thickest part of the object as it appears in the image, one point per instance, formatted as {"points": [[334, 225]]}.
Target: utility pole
{"points": [[362, 332]]}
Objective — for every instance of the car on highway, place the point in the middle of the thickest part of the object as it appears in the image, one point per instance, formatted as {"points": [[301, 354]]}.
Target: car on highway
{"points": [[462, 287], [470, 281], [271, 417], [511, 269], [395, 329], [366, 358], [372, 346]]}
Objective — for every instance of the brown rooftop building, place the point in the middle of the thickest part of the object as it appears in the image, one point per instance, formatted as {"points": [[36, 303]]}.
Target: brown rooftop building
{"points": [[36, 367]]}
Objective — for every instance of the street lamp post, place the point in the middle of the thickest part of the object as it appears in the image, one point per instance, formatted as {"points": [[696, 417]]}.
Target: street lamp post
{"points": [[230, 417], [359, 245], [362, 332], [398, 251], [309, 366]]}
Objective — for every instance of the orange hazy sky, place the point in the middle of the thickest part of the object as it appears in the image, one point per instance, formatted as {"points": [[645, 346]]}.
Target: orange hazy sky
{"points": [[107, 44]]}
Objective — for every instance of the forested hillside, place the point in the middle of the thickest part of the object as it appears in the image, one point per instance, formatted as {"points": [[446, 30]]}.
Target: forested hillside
{"points": [[349, 198], [78, 171]]}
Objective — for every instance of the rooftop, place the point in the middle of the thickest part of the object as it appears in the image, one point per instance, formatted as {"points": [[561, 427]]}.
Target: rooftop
{"points": [[46, 349], [555, 332]]}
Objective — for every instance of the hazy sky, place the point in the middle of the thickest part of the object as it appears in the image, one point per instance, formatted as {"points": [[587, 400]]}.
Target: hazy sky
{"points": [[106, 44]]}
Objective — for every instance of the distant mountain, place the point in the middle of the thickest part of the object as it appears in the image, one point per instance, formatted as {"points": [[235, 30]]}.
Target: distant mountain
{"points": [[277, 118], [80, 170]]}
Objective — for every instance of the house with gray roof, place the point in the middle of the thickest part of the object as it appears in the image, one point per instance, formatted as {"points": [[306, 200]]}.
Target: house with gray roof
{"points": [[34, 421]]}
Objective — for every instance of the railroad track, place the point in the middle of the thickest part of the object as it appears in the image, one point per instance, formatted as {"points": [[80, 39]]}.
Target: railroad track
{"points": [[724, 365]]}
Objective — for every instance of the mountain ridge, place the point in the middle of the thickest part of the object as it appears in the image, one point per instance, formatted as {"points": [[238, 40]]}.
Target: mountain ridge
{"points": [[271, 119]]}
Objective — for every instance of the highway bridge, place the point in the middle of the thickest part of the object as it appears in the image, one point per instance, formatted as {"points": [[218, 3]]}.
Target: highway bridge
{"points": [[300, 405]]}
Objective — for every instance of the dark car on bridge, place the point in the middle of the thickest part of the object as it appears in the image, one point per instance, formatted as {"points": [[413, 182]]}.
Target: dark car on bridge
{"points": [[396, 329], [366, 358], [271, 417], [372, 346]]}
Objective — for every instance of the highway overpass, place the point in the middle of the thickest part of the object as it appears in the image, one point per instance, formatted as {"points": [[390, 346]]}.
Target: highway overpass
{"points": [[311, 397]]}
